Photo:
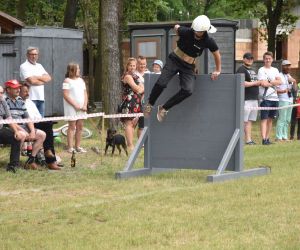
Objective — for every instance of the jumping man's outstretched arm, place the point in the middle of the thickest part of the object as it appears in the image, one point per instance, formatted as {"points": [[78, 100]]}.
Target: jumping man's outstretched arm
{"points": [[217, 72]]}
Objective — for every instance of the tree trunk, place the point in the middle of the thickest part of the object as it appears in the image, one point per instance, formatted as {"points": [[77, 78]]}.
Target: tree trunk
{"points": [[121, 34], [91, 72], [70, 14], [274, 16], [86, 7], [98, 66], [111, 85], [21, 9]]}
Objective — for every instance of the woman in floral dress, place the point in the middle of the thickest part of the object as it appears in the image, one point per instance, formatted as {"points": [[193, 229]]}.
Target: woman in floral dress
{"points": [[132, 95]]}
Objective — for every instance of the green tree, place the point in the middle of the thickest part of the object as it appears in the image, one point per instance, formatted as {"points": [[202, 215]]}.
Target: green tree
{"points": [[88, 18], [273, 14], [276, 14], [35, 12], [70, 14]]}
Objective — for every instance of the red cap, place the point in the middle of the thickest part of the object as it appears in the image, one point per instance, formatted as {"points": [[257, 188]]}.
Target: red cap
{"points": [[13, 84]]}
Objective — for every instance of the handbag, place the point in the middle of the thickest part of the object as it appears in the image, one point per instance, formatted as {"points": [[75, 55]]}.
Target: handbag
{"points": [[120, 107]]}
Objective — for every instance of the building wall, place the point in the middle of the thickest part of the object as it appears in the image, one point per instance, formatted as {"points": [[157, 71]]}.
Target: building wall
{"points": [[248, 39], [293, 48]]}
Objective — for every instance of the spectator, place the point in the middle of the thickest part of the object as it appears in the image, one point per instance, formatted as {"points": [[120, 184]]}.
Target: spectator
{"points": [[75, 104], [18, 111], [133, 90], [157, 66], [141, 71], [47, 127], [10, 134], [294, 118], [142, 66], [34, 74], [251, 95], [270, 79], [284, 91]]}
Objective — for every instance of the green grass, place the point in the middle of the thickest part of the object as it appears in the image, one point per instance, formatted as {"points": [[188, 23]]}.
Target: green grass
{"points": [[87, 208]]}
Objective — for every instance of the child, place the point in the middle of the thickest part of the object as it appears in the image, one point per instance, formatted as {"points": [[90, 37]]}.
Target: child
{"points": [[75, 103], [157, 66]]}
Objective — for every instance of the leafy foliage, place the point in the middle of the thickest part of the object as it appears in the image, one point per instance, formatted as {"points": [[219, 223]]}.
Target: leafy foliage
{"points": [[37, 12]]}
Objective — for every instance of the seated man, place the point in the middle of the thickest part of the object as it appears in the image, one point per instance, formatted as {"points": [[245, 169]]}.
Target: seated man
{"points": [[10, 135], [19, 111], [47, 127]]}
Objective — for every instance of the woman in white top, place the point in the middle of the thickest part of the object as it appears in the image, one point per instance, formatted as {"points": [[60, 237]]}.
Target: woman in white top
{"points": [[75, 104]]}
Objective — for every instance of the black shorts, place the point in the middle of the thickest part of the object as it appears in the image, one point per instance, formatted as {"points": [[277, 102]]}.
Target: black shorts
{"points": [[141, 123], [265, 114]]}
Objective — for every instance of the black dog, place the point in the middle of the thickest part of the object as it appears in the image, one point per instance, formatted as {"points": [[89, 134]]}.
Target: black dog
{"points": [[114, 140]]}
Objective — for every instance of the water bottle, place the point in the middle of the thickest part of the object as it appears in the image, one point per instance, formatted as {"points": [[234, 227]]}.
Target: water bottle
{"points": [[73, 160], [29, 148]]}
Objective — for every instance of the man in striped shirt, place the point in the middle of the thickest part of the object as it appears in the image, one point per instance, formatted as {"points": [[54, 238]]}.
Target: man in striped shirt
{"points": [[10, 135], [18, 111]]}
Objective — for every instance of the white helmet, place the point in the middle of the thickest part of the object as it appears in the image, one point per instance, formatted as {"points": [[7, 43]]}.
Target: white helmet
{"points": [[202, 23]]}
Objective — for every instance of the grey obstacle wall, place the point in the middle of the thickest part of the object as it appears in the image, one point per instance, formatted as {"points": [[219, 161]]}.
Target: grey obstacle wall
{"points": [[196, 133], [205, 131]]}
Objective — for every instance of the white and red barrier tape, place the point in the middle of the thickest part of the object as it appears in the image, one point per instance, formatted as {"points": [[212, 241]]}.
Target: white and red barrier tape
{"points": [[110, 116], [272, 108], [66, 118]]}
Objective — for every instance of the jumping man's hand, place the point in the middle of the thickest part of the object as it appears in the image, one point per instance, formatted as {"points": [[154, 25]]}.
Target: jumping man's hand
{"points": [[215, 75]]}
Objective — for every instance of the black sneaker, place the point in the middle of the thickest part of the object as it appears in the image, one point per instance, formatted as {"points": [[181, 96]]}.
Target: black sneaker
{"points": [[11, 168], [269, 142], [265, 142]]}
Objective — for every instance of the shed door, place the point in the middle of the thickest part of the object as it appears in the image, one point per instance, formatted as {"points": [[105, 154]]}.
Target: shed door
{"points": [[7, 57]]}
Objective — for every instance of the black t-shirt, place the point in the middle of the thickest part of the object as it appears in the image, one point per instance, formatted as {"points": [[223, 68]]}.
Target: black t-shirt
{"points": [[193, 47], [251, 93]]}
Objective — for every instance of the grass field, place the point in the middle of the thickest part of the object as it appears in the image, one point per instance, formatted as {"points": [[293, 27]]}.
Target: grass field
{"points": [[87, 208]]}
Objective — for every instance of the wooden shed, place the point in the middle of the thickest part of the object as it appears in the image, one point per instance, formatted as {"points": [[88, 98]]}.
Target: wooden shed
{"points": [[58, 47]]}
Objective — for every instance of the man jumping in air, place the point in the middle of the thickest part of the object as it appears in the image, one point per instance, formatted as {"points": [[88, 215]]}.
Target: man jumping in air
{"points": [[192, 41]]}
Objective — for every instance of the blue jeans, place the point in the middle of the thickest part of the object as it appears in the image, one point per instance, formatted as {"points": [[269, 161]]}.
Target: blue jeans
{"points": [[40, 106], [7, 137]]}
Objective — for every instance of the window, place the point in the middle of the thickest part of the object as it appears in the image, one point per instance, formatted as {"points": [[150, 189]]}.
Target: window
{"points": [[148, 47]]}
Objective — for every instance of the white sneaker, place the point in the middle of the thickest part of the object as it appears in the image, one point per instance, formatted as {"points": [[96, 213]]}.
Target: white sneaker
{"points": [[70, 150], [147, 110], [80, 150], [161, 113]]}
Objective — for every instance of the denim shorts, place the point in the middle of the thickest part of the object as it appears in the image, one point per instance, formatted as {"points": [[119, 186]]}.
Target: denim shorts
{"points": [[265, 114]]}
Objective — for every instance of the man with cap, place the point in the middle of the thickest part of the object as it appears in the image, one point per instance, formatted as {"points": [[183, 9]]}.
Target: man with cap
{"points": [[18, 111], [9, 134], [284, 91], [251, 95], [192, 41], [157, 66]]}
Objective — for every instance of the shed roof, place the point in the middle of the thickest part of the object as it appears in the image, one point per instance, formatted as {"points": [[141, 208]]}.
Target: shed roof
{"points": [[8, 23], [218, 22]]}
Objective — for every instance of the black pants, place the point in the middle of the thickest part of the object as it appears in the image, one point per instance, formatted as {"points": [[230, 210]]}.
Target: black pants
{"points": [[294, 120], [173, 66], [48, 144], [7, 137]]}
